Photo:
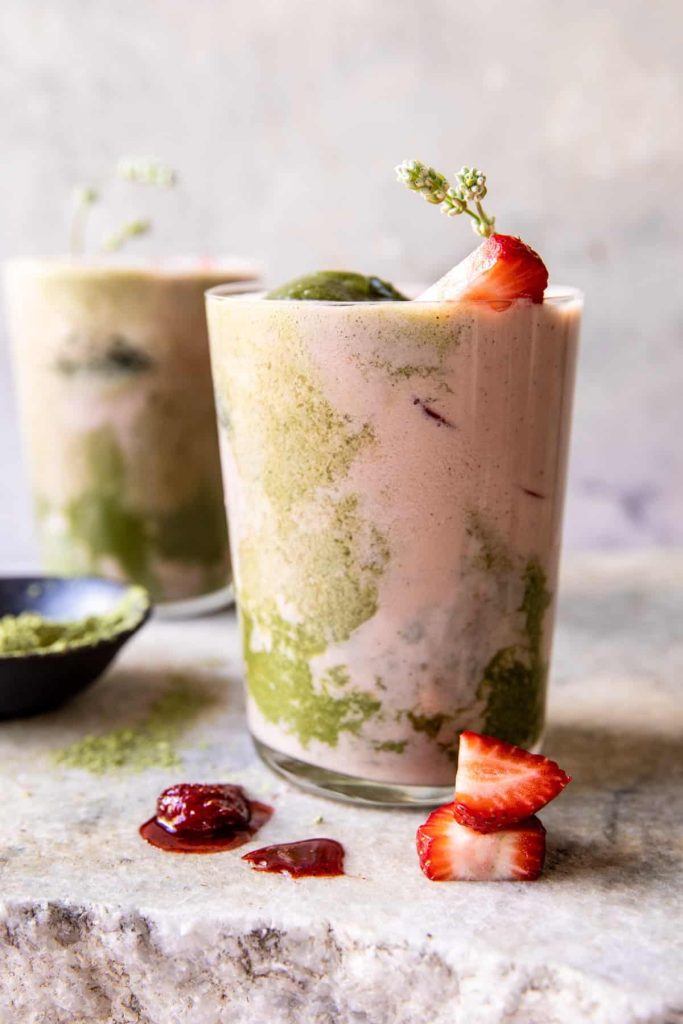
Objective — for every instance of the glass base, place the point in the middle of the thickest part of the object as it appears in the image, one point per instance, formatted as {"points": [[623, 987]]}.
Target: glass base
{"points": [[193, 607], [349, 788]]}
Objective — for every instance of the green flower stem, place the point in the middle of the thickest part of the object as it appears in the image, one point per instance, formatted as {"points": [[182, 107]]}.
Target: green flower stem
{"points": [[475, 217], [132, 229], [485, 221], [83, 200]]}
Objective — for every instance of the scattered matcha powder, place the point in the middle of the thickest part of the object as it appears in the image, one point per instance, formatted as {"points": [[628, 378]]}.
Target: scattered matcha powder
{"points": [[31, 633], [149, 744]]}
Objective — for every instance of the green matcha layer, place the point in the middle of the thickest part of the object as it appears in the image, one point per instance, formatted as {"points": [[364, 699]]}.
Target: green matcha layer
{"points": [[104, 523]]}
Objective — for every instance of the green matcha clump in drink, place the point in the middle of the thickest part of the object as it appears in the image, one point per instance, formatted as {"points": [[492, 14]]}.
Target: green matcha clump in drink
{"points": [[31, 633], [338, 286], [513, 683], [103, 522]]}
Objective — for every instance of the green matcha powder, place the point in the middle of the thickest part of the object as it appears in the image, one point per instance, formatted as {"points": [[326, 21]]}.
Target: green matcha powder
{"points": [[31, 633], [149, 743]]}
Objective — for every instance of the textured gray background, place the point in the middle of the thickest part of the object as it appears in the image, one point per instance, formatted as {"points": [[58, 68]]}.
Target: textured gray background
{"points": [[285, 118]]}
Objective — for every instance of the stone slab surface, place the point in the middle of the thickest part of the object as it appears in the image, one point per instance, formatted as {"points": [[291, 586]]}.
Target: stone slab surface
{"points": [[96, 927]]}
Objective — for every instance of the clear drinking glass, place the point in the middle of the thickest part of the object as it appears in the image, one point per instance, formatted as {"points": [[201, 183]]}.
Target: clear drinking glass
{"points": [[395, 476], [115, 396]]}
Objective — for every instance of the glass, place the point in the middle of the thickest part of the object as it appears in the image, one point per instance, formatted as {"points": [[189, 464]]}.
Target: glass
{"points": [[395, 476], [115, 397]]}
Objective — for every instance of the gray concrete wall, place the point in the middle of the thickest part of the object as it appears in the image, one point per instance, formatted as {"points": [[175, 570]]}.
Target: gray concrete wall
{"points": [[285, 119]]}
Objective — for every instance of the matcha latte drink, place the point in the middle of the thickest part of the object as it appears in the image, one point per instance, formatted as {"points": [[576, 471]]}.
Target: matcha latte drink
{"points": [[395, 475], [115, 395]]}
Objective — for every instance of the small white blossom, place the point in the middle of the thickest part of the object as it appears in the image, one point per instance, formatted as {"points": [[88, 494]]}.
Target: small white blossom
{"points": [[453, 200], [146, 171]]}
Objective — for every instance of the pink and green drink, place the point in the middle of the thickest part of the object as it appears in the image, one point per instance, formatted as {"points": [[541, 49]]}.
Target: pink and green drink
{"points": [[395, 476], [116, 401]]}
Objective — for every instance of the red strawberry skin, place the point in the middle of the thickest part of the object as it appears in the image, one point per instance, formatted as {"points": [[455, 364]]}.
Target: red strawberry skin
{"points": [[502, 269], [505, 268], [451, 852], [498, 784]]}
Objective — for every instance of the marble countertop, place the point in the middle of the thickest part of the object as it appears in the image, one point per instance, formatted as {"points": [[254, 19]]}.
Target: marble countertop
{"points": [[96, 927]]}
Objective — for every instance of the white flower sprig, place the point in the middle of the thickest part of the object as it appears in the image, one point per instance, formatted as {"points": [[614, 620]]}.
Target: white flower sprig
{"points": [[453, 199], [146, 171], [137, 171]]}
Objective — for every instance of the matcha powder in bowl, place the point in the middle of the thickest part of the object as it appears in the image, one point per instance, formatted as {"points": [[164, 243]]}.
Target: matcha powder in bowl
{"points": [[58, 635], [32, 633]]}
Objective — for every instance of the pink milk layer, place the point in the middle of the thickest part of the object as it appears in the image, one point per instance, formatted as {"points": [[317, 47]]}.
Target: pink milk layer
{"points": [[456, 420]]}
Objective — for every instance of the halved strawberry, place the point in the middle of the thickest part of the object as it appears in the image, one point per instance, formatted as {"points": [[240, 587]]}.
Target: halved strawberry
{"points": [[498, 784], [451, 852], [501, 270]]}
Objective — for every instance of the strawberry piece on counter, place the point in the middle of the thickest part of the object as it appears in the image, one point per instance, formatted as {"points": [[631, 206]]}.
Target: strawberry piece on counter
{"points": [[498, 784], [451, 852]]}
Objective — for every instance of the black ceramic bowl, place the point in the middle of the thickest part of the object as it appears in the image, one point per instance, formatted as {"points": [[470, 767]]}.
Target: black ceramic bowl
{"points": [[31, 683]]}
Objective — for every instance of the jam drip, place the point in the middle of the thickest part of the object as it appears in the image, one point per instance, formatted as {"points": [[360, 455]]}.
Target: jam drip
{"points": [[307, 857]]}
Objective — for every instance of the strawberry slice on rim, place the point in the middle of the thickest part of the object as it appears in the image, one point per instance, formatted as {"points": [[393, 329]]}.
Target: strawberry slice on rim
{"points": [[451, 852], [498, 784], [503, 268]]}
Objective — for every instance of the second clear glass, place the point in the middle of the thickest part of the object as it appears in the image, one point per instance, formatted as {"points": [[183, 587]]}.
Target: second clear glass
{"points": [[116, 402]]}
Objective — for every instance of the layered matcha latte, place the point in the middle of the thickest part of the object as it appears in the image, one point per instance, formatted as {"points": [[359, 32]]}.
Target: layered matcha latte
{"points": [[395, 474], [115, 395]]}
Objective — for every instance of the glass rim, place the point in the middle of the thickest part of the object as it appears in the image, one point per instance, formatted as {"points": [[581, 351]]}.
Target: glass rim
{"points": [[555, 295], [236, 269]]}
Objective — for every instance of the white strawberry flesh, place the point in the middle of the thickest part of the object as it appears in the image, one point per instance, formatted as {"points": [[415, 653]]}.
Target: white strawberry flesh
{"points": [[450, 852], [498, 784]]}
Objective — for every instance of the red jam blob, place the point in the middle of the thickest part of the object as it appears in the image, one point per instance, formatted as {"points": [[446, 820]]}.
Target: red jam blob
{"points": [[203, 809], [307, 857], [204, 818]]}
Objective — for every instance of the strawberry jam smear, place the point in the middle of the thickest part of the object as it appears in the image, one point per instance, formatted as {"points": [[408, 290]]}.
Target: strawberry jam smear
{"points": [[204, 818], [298, 860]]}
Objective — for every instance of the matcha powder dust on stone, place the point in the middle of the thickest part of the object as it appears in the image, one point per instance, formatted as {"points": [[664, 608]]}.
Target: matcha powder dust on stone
{"points": [[150, 743], [30, 633]]}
